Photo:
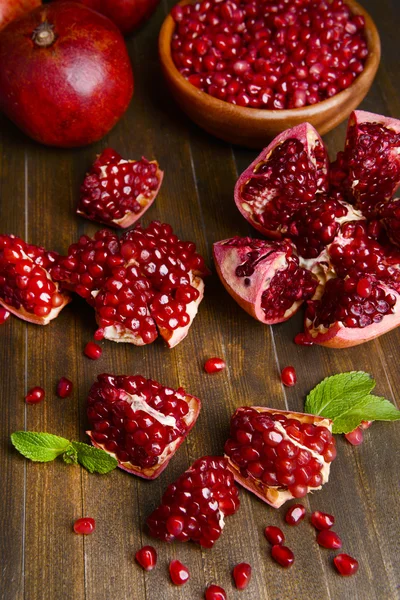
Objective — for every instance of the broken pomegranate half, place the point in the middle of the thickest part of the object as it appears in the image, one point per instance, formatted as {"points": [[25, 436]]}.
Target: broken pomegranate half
{"points": [[118, 192], [194, 507], [139, 422], [279, 455], [27, 289]]}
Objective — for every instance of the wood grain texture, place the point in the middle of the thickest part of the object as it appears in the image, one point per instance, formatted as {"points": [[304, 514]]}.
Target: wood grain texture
{"points": [[40, 557]]}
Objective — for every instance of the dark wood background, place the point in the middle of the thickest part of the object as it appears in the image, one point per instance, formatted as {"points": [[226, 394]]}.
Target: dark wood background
{"points": [[40, 557]]}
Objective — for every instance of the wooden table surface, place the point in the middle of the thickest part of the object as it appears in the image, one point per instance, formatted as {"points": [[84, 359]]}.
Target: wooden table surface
{"points": [[40, 557]]}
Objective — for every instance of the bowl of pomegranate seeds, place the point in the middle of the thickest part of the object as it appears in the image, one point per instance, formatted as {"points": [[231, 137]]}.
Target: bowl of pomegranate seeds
{"points": [[245, 70]]}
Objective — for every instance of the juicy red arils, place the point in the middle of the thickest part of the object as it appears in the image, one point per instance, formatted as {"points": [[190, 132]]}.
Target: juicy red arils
{"points": [[64, 387], [345, 564], [282, 555], [147, 557], [194, 506], [118, 192], [288, 376], [93, 351], [178, 572], [242, 575], [85, 526], [355, 437], [35, 395], [214, 365], [4, 315], [321, 520], [215, 592], [274, 535], [295, 514], [139, 421], [329, 539]]}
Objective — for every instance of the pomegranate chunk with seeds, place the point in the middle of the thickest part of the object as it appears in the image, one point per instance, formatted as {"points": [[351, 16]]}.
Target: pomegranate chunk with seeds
{"points": [[194, 507], [178, 572], [279, 455], [139, 422], [146, 557], [282, 555], [264, 277], [27, 289], [242, 575], [118, 192], [85, 526], [345, 565]]}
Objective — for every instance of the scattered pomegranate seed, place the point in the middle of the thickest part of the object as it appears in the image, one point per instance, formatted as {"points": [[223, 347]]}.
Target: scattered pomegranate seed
{"points": [[288, 376], [85, 526], [356, 437], [35, 395], [345, 564], [214, 592], [64, 387], [295, 514], [178, 572], [98, 334], [366, 424], [4, 315], [329, 539], [147, 557], [274, 535], [321, 520], [213, 365], [301, 339], [242, 575], [282, 555], [93, 350]]}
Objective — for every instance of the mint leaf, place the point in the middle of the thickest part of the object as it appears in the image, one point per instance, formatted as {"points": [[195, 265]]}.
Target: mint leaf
{"points": [[371, 408], [70, 456], [335, 394], [93, 459], [40, 447]]}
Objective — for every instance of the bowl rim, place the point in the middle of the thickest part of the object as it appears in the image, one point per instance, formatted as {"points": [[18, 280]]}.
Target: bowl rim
{"points": [[364, 80]]}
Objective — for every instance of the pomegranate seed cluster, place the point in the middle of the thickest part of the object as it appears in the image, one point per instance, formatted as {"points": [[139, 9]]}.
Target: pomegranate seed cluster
{"points": [[25, 283], [269, 54], [115, 187], [275, 451], [194, 507], [137, 419]]}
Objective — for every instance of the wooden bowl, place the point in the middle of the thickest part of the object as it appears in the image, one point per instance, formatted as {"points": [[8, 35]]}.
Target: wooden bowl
{"points": [[254, 127]]}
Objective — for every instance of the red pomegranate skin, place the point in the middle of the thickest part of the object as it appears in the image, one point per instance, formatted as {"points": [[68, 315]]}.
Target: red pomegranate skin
{"points": [[128, 15], [72, 92], [12, 9]]}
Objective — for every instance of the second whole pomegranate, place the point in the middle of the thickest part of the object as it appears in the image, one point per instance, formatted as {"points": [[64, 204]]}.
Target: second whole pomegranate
{"points": [[128, 15]]}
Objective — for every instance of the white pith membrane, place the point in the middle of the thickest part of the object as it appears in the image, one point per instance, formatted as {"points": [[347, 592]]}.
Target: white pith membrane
{"points": [[276, 496], [137, 403], [29, 317]]}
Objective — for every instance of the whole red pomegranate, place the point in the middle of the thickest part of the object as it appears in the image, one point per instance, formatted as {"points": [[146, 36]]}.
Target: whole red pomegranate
{"points": [[65, 74], [12, 9], [126, 14]]}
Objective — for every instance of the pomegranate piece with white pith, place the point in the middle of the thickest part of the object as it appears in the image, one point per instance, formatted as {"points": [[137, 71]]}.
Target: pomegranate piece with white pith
{"points": [[27, 289], [286, 176], [264, 277], [279, 455], [139, 422], [118, 192], [194, 507]]}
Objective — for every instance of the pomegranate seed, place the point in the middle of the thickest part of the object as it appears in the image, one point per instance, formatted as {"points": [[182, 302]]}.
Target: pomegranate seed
{"points": [[85, 526], [213, 365], [214, 592], [35, 395], [98, 335], [321, 520], [288, 376], [366, 424], [301, 339], [345, 564], [329, 539], [93, 351], [282, 555], [178, 572], [274, 535], [64, 387], [4, 315], [355, 437], [242, 575], [295, 514], [147, 557]]}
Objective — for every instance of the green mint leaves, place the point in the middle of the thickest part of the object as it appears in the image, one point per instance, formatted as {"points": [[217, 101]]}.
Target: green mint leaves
{"points": [[346, 399], [45, 447]]}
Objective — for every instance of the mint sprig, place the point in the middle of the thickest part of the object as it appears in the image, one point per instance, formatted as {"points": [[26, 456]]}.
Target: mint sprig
{"points": [[346, 399], [45, 447]]}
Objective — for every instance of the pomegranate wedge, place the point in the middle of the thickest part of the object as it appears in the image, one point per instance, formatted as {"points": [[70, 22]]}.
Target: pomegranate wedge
{"points": [[117, 192], [139, 422], [27, 289], [279, 455], [194, 507], [264, 277]]}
